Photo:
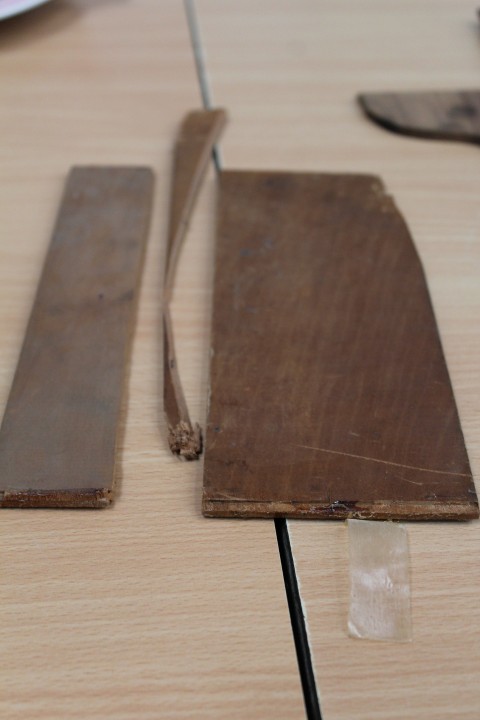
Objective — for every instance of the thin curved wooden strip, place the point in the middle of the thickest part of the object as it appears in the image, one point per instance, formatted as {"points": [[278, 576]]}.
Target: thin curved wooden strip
{"points": [[198, 134]]}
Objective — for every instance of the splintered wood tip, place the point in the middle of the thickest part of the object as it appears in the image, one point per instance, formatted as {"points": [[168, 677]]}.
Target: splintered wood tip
{"points": [[185, 440]]}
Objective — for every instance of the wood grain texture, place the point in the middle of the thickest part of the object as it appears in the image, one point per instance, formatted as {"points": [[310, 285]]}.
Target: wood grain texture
{"points": [[193, 149], [290, 81], [435, 675], [68, 386], [329, 395], [144, 610], [436, 115]]}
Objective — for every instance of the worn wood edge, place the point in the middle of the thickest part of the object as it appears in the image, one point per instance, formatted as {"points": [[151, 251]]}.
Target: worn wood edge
{"points": [[82, 498], [184, 437], [367, 100], [378, 510]]}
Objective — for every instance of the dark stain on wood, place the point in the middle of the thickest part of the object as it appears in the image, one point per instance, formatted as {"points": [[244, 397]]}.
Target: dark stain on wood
{"points": [[330, 396], [59, 431]]}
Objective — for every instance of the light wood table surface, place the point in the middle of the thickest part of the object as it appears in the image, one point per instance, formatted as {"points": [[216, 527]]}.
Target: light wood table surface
{"points": [[289, 78], [144, 610], [147, 610]]}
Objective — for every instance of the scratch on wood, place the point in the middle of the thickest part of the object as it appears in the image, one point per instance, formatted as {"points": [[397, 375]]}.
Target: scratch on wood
{"points": [[385, 462]]}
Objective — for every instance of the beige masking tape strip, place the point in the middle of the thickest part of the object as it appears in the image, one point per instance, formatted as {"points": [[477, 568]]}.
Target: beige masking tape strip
{"points": [[379, 581]]}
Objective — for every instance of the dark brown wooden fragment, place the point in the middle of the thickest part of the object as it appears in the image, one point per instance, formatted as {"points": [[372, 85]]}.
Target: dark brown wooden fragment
{"points": [[451, 115], [57, 440], [330, 397]]}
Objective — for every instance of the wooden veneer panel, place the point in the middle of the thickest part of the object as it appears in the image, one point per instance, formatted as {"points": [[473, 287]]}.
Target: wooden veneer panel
{"points": [[59, 431], [330, 396]]}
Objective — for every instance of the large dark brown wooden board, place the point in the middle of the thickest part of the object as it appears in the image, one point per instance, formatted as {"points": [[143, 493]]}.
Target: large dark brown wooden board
{"points": [[330, 396], [59, 431]]}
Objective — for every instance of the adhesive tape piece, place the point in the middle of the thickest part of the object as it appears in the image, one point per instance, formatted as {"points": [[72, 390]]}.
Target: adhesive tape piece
{"points": [[379, 581]]}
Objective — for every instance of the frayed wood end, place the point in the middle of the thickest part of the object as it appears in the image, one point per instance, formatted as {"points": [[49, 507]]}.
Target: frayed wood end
{"points": [[185, 440]]}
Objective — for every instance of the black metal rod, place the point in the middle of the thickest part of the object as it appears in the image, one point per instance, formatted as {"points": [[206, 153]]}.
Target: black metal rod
{"points": [[304, 659]]}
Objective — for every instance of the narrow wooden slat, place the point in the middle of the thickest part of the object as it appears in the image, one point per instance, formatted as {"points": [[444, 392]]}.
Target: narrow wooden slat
{"points": [[58, 436], [330, 396]]}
